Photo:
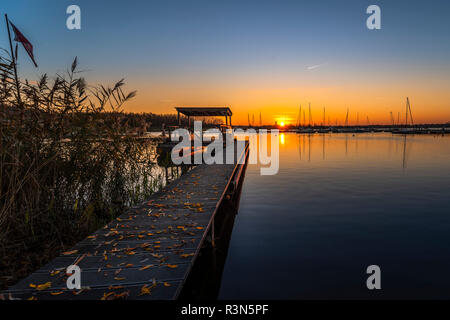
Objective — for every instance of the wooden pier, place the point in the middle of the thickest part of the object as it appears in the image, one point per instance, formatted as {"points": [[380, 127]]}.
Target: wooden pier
{"points": [[149, 251]]}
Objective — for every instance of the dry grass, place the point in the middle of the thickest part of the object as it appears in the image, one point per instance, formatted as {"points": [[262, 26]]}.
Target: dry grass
{"points": [[65, 166]]}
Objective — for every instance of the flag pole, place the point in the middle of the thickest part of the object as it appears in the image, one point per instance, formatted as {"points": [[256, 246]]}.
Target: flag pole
{"points": [[14, 61]]}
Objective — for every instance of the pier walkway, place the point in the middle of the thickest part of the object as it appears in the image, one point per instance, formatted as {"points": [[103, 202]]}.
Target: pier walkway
{"points": [[146, 253]]}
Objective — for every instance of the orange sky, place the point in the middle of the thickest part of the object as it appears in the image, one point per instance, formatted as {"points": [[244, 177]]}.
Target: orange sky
{"points": [[252, 57], [280, 100]]}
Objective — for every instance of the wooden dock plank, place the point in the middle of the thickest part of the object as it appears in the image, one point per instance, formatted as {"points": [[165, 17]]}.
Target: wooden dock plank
{"points": [[153, 245]]}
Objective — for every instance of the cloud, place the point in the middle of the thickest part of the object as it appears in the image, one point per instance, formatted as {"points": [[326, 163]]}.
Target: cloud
{"points": [[315, 66]]}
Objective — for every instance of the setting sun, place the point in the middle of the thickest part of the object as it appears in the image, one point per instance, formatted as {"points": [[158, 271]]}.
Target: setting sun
{"points": [[282, 124]]}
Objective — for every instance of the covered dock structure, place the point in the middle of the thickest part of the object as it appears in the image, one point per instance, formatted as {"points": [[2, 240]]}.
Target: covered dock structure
{"points": [[205, 112]]}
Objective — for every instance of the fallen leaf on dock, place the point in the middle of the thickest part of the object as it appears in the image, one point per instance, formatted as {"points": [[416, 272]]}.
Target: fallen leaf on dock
{"points": [[172, 266], [114, 296], [145, 290], [115, 287], [80, 291], [122, 295], [107, 295], [56, 293], [146, 267], [41, 287], [68, 253]]}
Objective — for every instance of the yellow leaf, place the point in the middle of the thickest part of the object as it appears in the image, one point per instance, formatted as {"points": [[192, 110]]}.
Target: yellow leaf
{"points": [[166, 284], [114, 287], [107, 295], [44, 286], [146, 267], [119, 279], [68, 253], [56, 293], [145, 290], [172, 266]]}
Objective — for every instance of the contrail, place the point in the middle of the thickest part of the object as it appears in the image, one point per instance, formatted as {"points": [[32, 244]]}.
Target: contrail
{"points": [[315, 66]]}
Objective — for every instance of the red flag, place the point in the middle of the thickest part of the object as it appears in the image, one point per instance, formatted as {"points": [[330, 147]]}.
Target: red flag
{"points": [[19, 37]]}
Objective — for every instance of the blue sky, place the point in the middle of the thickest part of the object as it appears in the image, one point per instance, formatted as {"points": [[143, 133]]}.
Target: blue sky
{"points": [[174, 51]]}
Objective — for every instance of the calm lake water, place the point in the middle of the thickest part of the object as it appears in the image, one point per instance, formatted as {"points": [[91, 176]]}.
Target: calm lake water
{"points": [[339, 204]]}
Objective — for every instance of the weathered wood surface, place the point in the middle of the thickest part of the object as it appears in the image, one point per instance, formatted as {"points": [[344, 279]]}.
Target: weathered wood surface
{"points": [[146, 253]]}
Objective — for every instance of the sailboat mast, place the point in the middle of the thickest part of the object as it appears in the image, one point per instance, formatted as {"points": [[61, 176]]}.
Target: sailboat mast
{"points": [[406, 119], [310, 118], [323, 122], [410, 112]]}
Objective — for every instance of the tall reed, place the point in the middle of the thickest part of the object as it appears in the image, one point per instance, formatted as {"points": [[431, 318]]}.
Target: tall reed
{"points": [[66, 165]]}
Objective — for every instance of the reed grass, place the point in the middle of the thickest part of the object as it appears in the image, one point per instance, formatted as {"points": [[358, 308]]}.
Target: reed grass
{"points": [[66, 165]]}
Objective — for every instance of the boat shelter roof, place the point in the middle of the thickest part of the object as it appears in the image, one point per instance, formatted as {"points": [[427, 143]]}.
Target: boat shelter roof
{"points": [[205, 111]]}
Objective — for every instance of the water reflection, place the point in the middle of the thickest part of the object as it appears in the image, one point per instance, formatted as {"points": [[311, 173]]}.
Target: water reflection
{"points": [[282, 138], [307, 141], [339, 203]]}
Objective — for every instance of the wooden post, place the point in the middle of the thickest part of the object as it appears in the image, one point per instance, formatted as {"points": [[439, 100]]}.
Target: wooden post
{"points": [[14, 62], [179, 120]]}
